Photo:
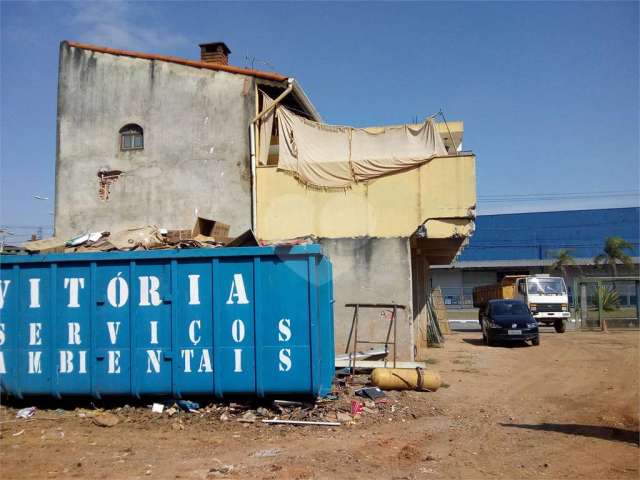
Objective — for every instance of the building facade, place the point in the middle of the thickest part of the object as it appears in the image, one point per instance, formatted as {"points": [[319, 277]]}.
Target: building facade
{"points": [[146, 139], [527, 243], [190, 120]]}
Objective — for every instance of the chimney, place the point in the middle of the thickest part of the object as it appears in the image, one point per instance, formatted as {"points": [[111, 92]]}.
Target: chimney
{"points": [[215, 52]]}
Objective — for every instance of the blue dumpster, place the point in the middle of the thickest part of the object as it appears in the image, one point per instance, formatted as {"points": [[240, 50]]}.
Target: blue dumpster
{"points": [[218, 322]]}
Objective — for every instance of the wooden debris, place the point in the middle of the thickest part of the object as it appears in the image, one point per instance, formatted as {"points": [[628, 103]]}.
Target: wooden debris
{"points": [[302, 422], [440, 310]]}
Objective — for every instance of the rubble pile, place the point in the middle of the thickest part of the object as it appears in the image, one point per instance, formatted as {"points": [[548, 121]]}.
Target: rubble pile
{"points": [[206, 233], [349, 405]]}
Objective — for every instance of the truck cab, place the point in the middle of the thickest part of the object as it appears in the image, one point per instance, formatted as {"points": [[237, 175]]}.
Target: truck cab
{"points": [[546, 297]]}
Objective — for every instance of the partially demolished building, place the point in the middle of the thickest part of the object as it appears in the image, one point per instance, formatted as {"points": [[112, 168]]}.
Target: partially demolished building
{"points": [[148, 139]]}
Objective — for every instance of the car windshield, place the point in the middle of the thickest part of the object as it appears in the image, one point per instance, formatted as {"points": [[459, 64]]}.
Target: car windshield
{"points": [[546, 286], [509, 309]]}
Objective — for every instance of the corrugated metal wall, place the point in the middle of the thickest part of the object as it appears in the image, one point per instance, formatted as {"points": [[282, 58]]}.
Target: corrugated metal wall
{"points": [[540, 235]]}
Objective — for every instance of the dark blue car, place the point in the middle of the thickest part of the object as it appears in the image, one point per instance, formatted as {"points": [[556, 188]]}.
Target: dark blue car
{"points": [[508, 320]]}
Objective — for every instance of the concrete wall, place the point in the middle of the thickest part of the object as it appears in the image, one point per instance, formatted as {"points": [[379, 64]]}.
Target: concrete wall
{"points": [[390, 206], [196, 143], [371, 270]]}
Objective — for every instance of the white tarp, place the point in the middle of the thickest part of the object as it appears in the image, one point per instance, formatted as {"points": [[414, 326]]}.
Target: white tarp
{"points": [[334, 156], [264, 131]]}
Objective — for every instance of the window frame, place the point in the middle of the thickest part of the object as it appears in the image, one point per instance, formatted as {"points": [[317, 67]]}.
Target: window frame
{"points": [[131, 135]]}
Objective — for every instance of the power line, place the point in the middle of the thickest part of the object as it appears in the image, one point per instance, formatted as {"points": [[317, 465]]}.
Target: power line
{"points": [[556, 196], [560, 193], [28, 227]]}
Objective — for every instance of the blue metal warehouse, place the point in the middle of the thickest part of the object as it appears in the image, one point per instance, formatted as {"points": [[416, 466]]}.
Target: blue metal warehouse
{"points": [[525, 243]]}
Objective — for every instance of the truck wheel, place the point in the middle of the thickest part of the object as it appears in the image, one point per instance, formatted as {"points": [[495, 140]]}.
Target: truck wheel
{"points": [[559, 326], [536, 341]]}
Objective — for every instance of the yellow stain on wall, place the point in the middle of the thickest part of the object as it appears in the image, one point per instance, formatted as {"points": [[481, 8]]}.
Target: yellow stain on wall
{"points": [[391, 206]]}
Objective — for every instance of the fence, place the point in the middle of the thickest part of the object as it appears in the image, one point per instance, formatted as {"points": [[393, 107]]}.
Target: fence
{"points": [[607, 302]]}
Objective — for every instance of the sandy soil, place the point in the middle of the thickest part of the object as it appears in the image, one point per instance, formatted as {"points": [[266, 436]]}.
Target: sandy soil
{"points": [[565, 409]]}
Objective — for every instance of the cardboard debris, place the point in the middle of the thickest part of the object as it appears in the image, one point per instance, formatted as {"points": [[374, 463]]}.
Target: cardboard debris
{"points": [[290, 242], [145, 237], [102, 245], [210, 228], [204, 239], [174, 236], [206, 233], [49, 245], [246, 239]]}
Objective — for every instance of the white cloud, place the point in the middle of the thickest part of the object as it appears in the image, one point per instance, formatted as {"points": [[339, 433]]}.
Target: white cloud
{"points": [[124, 25]]}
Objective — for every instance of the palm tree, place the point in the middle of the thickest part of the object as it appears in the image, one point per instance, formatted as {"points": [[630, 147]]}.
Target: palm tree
{"points": [[606, 299], [562, 260], [614, 252]]}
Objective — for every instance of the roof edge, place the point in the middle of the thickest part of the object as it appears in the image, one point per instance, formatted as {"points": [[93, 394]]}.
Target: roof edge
{"points": [[533, 262], [180, 61], [304, 99]]}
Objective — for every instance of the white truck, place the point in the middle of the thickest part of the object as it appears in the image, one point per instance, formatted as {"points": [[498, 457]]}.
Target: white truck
{"points": [[546, 297]]}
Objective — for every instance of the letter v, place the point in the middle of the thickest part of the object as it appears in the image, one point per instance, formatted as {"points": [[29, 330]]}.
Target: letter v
{"points": [[113, 328]]}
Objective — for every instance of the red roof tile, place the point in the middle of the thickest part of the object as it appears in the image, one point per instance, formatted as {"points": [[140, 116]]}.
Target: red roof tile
{"points": [[181, 61]]}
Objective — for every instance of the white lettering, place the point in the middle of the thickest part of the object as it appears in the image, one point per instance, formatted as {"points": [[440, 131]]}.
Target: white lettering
{"points": [[237, 330], [74, 333], [149, 291], [34, 286], [117, 299], [238, 360], [3, 369], [113, 328], [153, 359], [66, 361], [2, 334], [194, 290], [74, 285], [284, 330], [82, 354], [114, 361], [34, 334], [34, 362], [205, 362], [237, 291], [285, 360], [4, 286], [154, 332], [192, 332], [187, 355]]}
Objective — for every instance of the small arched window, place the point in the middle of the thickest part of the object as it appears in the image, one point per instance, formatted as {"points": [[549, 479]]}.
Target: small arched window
{"points": [[131, 137]]}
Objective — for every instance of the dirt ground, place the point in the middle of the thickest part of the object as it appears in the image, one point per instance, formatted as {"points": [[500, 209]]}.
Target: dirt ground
{"points": [[565, 409]]}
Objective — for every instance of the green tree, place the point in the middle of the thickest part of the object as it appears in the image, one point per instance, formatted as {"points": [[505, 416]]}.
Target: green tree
{"points": [[606, 298], [562, 260], [614, 253]]}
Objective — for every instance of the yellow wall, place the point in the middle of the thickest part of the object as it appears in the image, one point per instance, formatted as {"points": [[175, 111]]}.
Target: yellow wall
{"points": [[391, 206]]}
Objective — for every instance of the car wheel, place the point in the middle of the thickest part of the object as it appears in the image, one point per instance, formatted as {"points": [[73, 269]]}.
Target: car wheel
{"points": [[535, 341], [560, 326]]}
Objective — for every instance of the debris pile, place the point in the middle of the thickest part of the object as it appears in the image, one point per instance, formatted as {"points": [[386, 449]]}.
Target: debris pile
{"points": [[351, 405], [206, 233]]}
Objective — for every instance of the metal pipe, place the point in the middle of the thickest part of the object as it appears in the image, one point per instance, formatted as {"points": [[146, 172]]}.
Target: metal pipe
{"points": [[254, 203], [275, 102]]}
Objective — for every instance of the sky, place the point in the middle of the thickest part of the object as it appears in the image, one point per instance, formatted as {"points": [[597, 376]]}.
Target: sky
{"points": [[548, 91]]}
